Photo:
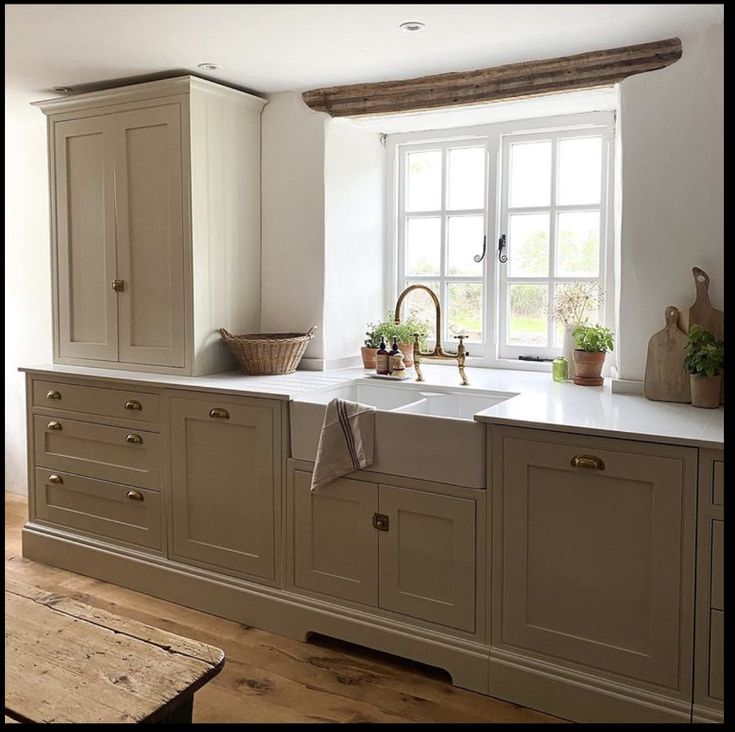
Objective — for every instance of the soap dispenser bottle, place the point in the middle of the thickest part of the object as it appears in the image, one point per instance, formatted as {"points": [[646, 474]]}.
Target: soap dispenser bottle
{"points": [[394, 351], [382, 361]]}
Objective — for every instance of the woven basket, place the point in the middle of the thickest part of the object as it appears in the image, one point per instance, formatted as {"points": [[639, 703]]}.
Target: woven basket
{"points": [[268, 353]]}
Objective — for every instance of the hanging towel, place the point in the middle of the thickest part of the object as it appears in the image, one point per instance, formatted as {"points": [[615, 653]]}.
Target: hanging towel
{"points": [[346, 442]]}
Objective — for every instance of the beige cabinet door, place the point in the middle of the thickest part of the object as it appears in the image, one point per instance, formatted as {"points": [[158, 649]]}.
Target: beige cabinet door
{"points": [[150, 246], [595, 561], [85, 238], [225, 473], [335, 545], [427, 556]]}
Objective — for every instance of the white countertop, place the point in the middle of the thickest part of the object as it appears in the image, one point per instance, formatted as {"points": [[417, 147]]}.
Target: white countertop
{"points": [[540, 402]]}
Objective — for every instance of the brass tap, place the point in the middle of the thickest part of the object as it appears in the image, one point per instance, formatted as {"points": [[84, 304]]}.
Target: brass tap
{"points": [[438, 354]]}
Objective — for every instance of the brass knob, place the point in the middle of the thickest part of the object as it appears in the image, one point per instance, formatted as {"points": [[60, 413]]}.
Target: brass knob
{"points": [[587, 461], [134, 439], [133, 404], [134, 495], [53, 426], [219, 413], [55, 479], [53, 394], [118, 285]]}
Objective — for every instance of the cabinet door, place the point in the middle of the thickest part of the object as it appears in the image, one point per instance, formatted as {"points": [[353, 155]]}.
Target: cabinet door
{"points": [[225, 473], [427, 556], [335, 544], [596, 560], [85, 238], [150, 247]]}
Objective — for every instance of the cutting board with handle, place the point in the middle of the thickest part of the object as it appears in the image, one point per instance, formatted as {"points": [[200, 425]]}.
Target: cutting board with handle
{"points": [[666, 378], [703, 314]]}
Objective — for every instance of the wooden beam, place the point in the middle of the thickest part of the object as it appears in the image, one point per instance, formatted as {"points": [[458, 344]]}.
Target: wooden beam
{"points": [[531, 78]]}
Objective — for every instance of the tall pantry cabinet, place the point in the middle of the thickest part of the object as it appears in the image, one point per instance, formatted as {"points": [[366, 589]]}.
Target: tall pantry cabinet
{"points": [[155, 224]]}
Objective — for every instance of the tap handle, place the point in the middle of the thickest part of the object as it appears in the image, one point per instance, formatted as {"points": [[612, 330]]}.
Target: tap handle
{"points": [[461, 348], [416, 337]]}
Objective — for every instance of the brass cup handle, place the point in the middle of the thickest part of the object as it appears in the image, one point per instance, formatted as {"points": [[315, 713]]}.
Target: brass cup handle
{"points": [[587, 461], [53, 425], [219, 413], [134, 495], [55, 479], [133, 404], [53, 394], [134, 439]]}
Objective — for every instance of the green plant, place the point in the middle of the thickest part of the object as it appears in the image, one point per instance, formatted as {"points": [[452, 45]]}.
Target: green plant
{"points": [[402, 332], [705, 354], [594, 338]]}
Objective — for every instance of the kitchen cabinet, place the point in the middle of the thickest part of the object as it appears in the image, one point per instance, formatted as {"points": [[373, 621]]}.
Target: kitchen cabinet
{"points": [[155, 192], [709, 632], [403, 550], [593, 547], [225, 479]]}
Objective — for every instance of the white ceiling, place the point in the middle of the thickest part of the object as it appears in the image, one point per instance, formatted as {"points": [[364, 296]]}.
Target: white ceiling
{"points": [[267, 48]]}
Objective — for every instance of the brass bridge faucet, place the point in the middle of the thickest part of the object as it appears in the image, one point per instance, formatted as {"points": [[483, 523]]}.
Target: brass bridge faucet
{"points": [[438, 354]]}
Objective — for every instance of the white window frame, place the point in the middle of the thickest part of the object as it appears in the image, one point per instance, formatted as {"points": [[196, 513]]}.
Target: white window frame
{"points": [[488, 353]]}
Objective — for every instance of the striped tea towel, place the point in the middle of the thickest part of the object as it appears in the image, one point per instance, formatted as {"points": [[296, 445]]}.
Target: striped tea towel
{"points": [[346, 442]]}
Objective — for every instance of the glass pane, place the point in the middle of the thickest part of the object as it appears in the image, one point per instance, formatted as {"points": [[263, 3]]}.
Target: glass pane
{"points": [[424, 181], [530, 173], [464, 241], [465, 310], [527, 315], [580, 303], [528, 245], [419, 305], [467, 177], [578, 244], [579, 170], [423, 246]]}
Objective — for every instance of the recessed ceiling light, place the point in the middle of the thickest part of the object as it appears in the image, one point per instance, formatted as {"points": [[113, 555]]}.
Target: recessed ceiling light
{"points": [[412, 26], [61, 89], [208, 66]]}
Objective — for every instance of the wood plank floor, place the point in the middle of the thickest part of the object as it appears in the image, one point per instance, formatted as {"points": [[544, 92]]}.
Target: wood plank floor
{"points": [[268, 678]]}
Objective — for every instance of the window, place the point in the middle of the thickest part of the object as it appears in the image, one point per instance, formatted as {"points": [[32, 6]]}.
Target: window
{"points": [[533, 197]]}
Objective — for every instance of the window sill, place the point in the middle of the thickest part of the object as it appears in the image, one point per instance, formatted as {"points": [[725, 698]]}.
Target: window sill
{"points": [[511, 364]]}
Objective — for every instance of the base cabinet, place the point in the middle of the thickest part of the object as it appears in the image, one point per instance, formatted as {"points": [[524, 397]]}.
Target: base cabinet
{"points": [[402, 550], [225, 470]]}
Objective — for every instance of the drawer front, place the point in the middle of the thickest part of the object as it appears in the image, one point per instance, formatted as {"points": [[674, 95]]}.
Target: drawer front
{"points": [[718, 483], [717, 596], [120, 403], [717, 655], [98, 451], [99, 508]]}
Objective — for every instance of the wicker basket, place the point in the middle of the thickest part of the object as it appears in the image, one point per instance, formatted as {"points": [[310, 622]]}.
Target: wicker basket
{"points": [[268, 353]]}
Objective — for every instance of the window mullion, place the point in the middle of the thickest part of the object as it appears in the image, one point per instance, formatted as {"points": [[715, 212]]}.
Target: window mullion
{"points": [[552, 243], [443, 289]]}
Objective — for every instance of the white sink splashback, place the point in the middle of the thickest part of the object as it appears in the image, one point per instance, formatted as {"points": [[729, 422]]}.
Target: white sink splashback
{"points": [[419, 433]]}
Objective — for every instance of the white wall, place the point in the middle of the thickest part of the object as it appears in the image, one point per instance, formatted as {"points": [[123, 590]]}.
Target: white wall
{"points": [[27, 269], [354, 181], [671, 139]]}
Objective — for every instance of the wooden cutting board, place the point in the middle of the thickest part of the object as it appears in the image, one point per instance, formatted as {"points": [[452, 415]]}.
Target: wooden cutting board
{"points": [[702, 313], [666, 378]]}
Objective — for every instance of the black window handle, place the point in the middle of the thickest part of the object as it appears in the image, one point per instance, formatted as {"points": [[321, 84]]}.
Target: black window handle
{"points": [[503, 258], [480, 257]]}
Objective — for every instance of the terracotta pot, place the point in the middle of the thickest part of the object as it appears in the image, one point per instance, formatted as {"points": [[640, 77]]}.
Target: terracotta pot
{"points": [[588, 367], [369, 356], [407, 351], [705, 391]]}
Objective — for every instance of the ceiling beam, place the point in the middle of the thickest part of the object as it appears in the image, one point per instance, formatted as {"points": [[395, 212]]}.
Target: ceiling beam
{"points": [[531, 78]]}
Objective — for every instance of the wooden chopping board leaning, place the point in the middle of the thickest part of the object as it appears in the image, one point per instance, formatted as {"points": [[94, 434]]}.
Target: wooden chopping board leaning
{"points": [[666, 378]]}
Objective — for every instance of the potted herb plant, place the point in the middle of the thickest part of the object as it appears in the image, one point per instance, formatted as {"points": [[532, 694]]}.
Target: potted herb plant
{"points": [[705, 359], [388, 329], [593, 342], [573, 304]]}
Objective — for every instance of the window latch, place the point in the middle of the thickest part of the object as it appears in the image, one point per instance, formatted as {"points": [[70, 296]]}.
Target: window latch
{"points": [[480, 257], [502, 258]]}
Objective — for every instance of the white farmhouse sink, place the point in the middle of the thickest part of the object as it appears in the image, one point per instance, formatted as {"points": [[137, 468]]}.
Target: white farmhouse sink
{"points": [[420, 432]]}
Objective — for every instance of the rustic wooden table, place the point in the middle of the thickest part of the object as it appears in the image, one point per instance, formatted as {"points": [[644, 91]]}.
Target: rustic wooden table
{"points": [[68, 662]]}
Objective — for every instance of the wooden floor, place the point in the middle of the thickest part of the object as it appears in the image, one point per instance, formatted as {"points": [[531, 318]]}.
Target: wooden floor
{"points": [[268, 678]]}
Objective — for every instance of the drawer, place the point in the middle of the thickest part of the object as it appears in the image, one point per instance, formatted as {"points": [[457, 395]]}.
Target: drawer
{"points": [[718, 483], [98, 451], [717, 654], [99, 508], [717, 596], [120, 403]]}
